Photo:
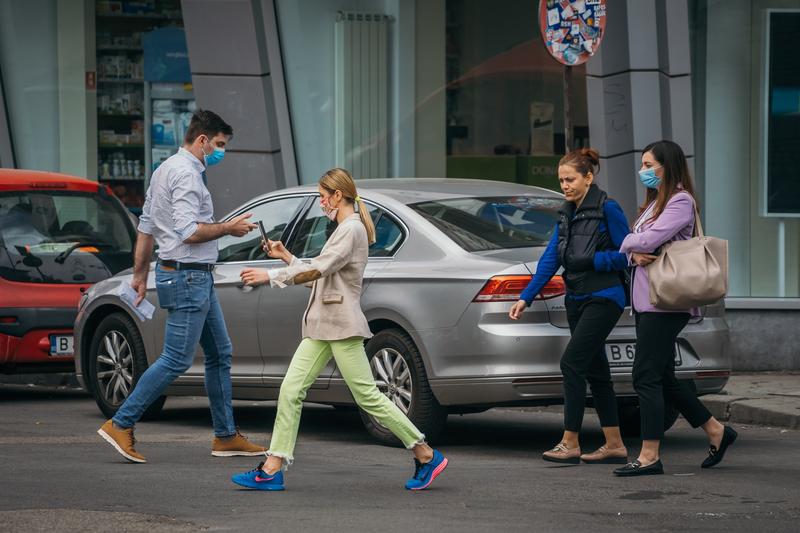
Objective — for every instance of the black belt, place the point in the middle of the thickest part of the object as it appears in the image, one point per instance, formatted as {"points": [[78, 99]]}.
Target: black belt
{"points": [[208, 267]]}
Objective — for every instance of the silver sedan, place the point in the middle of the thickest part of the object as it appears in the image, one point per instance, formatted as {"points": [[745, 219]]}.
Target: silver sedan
{"points": [[451, 257]]}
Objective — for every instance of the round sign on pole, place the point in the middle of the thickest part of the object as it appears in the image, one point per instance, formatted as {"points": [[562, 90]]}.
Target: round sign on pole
{"points": [[572, 29]]}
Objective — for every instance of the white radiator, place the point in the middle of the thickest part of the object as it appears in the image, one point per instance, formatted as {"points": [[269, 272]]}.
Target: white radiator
{"points": [[362, 93]]}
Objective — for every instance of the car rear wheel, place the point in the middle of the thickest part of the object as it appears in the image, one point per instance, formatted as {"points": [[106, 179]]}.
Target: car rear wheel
{"points": [[117, 360], [400, 374]]}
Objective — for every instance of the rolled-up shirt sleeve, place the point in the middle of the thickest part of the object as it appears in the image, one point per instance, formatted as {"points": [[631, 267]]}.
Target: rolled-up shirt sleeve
{"points": [[186, 202], [146, 221]]}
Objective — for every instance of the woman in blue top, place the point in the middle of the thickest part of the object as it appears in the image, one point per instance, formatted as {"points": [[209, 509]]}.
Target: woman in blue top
{"points": [[586, 244]]}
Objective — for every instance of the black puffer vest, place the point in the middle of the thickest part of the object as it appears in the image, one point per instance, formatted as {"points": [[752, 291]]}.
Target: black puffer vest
{"points": [[579, 237]]}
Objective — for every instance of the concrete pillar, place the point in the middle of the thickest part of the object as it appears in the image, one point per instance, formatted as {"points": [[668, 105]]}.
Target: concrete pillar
{"points": [[77, 106], [639, 90], [6, 149], [234, 56]]}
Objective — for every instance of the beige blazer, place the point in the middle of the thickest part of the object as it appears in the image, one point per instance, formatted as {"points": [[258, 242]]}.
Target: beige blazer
{"points": [[334, 307]]}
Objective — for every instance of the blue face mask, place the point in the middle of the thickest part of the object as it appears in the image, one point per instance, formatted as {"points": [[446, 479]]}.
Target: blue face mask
{"points": [[214, 157], [649, 179]]}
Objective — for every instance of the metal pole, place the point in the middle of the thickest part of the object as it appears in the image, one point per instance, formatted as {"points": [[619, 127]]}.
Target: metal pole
{"points": [[568, 142], [782, 258]]}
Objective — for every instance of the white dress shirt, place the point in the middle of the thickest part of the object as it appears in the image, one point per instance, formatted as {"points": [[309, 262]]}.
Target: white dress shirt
{"points": [[176, 201]]}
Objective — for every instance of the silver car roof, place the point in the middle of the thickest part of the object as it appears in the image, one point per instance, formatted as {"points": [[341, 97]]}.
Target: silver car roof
{"points": [[412, 190]]}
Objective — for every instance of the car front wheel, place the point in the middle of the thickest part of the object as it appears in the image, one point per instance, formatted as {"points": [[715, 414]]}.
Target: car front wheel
{"points": [[117, 360], [400, 374]]}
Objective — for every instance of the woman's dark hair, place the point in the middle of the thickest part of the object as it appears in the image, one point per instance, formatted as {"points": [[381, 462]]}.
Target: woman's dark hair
{"points": [[206, 123], [676, 175], [584, 160]]}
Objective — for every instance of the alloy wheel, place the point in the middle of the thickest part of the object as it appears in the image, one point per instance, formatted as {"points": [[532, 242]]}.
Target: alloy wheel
{"points": [[114, 367], [393, 377]]}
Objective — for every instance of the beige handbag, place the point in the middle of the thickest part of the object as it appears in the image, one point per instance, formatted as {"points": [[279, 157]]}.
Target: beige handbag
{"points": [[689, 273]]}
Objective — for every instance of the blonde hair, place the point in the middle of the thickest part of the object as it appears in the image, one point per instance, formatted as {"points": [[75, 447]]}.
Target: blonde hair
{"points": [[339, 179]]}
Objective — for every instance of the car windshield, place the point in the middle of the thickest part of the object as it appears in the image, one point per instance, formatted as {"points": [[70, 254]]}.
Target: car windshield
{"points": [[493, 223], [62, 237]]}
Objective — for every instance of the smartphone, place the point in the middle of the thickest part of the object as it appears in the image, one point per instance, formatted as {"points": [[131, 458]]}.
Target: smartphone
{"points": [[263, 234]]}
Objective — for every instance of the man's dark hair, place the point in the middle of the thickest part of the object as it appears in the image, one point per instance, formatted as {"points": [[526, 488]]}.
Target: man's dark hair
{"points": [[207, 123]]}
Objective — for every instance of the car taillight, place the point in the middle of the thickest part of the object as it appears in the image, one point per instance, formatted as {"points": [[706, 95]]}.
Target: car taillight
{"points": [[553, 289], [8, 320], [509, 289]]}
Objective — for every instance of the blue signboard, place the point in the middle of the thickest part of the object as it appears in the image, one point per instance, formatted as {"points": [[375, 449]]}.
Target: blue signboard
{"points": [[165, 56]]}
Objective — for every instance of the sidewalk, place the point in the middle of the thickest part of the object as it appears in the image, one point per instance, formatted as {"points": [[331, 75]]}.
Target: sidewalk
{"points": [[763, 398]]}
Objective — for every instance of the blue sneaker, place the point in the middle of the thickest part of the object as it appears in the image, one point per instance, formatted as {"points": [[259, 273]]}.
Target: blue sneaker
{"points": [[260, 480], [424, 474]]}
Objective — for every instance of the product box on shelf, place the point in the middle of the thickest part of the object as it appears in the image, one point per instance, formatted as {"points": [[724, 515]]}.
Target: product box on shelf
{"points": [[163, 130]]}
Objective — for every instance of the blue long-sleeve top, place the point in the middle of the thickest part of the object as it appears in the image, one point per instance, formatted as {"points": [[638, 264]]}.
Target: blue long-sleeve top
{"points": [[604, 261]]}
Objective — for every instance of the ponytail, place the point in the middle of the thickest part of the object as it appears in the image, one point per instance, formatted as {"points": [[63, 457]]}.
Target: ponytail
{"points": [[363, 212]]}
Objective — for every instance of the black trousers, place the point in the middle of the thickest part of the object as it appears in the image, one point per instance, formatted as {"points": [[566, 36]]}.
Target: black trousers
{"points": [[654, 374], [590, 322]]}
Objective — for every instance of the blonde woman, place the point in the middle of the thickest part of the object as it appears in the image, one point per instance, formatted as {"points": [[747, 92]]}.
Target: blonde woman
{"points": [[333, 326]]}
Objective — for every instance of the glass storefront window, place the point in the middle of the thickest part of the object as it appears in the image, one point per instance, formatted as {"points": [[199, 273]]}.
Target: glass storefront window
{"points": [[747, 158], [95, 89], [456, 88], [506, 95]]}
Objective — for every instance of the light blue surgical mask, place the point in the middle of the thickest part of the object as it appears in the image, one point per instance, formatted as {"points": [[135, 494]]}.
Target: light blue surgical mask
{"points": [[648, 177], [214, 157]]}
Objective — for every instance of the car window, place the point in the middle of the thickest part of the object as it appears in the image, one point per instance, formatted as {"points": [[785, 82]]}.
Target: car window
{"points": [[315, 229], [275, 214], [478, 224], [312, 233], [63, 237], [388, 234]]}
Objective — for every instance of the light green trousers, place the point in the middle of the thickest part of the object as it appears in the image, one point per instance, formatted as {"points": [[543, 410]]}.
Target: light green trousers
{"points": [[308, 361]]}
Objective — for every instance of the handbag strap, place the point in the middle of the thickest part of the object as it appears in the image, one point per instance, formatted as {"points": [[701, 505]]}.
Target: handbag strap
{"points": [[698, 226]]}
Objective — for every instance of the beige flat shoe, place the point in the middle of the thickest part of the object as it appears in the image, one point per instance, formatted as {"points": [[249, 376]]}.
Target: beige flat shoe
{"points": [[562, 454], [607, 456]]}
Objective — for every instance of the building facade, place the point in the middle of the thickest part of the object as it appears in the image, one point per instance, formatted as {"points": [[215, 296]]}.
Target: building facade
{"points": [[457, 88]]}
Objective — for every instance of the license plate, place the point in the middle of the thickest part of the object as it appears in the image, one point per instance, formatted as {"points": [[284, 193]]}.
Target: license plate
{"points": [[623, 354], [61, 345]]}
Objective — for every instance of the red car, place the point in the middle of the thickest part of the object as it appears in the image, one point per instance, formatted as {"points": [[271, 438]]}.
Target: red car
{"points": [[58, 235]]}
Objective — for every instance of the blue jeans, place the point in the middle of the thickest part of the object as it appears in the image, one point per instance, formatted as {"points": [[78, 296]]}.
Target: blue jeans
{"points": [[194, 314]]}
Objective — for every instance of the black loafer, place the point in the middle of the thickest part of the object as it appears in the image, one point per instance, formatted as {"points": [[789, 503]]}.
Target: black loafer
{"points": [[715, 454], [636, 469]]}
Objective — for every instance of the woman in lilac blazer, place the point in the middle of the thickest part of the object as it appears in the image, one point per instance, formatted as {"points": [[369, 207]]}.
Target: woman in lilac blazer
{"points": [[668, 214]]}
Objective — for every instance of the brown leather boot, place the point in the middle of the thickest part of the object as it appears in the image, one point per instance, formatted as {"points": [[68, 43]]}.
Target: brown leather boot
{"points": [[122, 440], [607, 456], [235, 445], [562, 454]]}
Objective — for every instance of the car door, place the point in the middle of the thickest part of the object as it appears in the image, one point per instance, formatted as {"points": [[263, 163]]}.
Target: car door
{"points": [[281, 310], [240, 304], [280, 334]]}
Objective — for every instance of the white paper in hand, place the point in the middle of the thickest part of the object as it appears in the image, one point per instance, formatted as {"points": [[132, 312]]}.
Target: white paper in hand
{"points": [[145, 309]]}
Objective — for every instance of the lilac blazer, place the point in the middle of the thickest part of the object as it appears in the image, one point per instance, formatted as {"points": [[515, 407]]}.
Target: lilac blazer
{"points": [[676, 223]]}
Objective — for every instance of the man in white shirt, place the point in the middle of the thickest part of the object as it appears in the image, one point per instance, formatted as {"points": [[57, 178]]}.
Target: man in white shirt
{"points": [[178, 215]]}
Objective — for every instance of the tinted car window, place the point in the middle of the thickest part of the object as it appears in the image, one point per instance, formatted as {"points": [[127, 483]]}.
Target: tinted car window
{"points": [[478, 224], [62, 237], [316, 228], [275, 214], [388, 234]]}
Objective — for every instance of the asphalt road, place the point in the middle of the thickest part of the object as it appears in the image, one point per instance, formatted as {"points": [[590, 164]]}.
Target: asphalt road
{"points": [[58, 475]]}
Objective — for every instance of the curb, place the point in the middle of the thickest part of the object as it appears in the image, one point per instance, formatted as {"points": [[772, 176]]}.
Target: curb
{"points": [[774, 410]]}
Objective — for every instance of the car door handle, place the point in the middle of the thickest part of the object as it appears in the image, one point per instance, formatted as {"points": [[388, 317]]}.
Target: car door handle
{"points": [[244, 288]]}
